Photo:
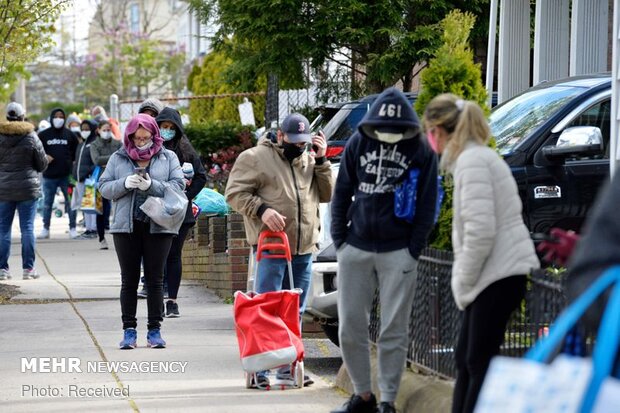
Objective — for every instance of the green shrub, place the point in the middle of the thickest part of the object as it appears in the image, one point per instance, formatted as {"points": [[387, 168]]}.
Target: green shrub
{"points": [[452, 70]]}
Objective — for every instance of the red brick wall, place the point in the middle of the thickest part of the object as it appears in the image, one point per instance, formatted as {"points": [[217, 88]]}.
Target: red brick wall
{"points": [[217, 254]]}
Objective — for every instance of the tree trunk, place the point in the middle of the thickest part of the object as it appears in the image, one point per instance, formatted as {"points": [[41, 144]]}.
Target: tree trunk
{"points": [[407, 81], [271, 100]]}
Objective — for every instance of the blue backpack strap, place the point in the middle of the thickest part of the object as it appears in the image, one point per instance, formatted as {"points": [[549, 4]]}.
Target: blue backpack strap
{"points": [[605, 350]]}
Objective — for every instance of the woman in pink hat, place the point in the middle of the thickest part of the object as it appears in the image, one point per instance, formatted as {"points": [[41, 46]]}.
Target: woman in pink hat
{"points": [[141, 168]]}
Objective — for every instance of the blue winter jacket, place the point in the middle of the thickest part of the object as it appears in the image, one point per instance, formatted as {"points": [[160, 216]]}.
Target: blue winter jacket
{"points": [[370, 170]]}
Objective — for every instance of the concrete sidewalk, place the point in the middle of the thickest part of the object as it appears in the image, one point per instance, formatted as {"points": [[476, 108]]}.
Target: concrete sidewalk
{"points": [[73, 311]]}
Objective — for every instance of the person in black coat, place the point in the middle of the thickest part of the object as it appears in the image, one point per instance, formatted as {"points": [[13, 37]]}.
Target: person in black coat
{"points": [[60, 145], [171, 129], [22, 158], [83, 169]]}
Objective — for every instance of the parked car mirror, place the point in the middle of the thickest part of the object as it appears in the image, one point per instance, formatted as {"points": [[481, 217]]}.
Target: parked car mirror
{"points": [[576, 141]]}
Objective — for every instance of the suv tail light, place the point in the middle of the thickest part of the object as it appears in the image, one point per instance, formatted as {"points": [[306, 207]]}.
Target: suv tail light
{"points": [[334, 151]]}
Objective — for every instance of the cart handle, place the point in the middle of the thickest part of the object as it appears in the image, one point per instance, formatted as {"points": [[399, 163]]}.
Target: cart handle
{"points": [[282, 246]]}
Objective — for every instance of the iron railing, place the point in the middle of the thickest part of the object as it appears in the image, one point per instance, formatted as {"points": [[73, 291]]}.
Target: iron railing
{"points": [[436, 321]]}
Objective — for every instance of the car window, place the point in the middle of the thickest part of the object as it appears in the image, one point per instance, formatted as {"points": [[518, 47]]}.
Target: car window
{"points": [[344, 123], [597, 115], [513, 121]]}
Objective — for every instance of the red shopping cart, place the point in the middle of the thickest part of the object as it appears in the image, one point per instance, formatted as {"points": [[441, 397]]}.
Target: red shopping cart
{"points": [[267, 324]]}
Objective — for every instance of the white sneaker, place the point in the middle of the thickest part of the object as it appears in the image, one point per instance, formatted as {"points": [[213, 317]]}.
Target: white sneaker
{"points": [[103, 245], [73, 233], [5, 274], [31, 274], [44, 234]]}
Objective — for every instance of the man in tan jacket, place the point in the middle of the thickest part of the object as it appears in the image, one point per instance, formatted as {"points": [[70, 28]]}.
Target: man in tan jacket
{"points": [[278, 187]]}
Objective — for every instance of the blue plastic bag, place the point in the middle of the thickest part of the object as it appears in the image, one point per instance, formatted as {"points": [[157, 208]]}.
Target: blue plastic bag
{"points": [[211, 202]]}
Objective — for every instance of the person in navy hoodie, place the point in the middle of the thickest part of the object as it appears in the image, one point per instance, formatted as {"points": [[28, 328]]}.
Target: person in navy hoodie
{"points": [[375, 248], [60, 145]]}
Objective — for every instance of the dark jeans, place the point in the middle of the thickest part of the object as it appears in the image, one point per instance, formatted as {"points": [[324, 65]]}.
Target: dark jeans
{"points": [[101, 219], [174, 264], [27, 211], [482, 333], [49, 193], [152, 249]]}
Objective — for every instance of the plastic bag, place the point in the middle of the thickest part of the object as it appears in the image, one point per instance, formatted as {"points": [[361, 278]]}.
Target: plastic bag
{"points": [[169, 211], [91, 201], [211, 202]]}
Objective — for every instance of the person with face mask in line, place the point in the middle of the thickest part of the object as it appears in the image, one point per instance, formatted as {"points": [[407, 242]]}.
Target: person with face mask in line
{"points": [[278, 186], [83, 169], [74, 123], [141, 168], [60, 145], [101, 149], [376, 249], [493, 250], [22, 158], [171, 130]]}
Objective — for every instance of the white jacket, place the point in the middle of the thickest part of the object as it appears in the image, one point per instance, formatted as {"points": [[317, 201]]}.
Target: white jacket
{"points": [[489, 238]]}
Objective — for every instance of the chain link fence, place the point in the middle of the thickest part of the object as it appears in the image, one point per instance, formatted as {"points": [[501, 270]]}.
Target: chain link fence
{"points": [[288, 101], [436, 321]]}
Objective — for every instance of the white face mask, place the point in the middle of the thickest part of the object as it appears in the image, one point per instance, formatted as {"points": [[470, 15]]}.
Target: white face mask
{"points": [[58, 122], [75, 129], [145, 146], [389, 137], [106, 135], [85, 134]]}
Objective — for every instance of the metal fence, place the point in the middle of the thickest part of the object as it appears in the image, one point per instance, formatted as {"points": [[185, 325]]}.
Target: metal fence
{"points": [[435, 320], [288, 101]]}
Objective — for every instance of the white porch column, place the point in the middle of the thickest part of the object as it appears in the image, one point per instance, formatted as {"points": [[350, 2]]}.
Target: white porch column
{"points": [[589, 25], [514, 48], [551, 40]]}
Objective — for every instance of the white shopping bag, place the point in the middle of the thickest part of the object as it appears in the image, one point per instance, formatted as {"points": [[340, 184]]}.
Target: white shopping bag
{"points": [[568, 384], [519, 385]]}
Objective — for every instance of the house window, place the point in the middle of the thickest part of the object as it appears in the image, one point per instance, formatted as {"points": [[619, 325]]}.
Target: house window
{"points": [[134, 17]]}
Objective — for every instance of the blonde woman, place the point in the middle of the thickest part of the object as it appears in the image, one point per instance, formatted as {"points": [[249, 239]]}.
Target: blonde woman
{"points": [[493, 250]]}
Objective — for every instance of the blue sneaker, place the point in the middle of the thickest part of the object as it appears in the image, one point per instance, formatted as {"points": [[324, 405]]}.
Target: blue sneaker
{"points": [[129, 339], [153, 339]]}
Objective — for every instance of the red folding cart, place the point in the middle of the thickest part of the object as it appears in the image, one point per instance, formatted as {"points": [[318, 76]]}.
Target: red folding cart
{"points": [[267, 324]]}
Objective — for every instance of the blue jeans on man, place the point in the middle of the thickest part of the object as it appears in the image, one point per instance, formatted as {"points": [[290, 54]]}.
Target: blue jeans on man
{"points": [[272, 275], [50, 185], [27, 211]]}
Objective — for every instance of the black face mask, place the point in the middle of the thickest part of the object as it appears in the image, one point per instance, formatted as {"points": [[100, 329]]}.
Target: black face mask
{"points": [[292, 151]]}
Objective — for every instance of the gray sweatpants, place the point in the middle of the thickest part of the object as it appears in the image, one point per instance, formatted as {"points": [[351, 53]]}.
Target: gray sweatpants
{"points": [[359, 274]]}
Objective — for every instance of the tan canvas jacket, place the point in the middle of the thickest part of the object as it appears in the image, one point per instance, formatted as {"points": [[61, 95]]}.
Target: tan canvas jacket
{"points": [[262, 175]]}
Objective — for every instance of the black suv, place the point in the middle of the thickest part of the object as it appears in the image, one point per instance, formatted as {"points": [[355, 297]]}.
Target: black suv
{"points": [[555, 137], [558, 168]]}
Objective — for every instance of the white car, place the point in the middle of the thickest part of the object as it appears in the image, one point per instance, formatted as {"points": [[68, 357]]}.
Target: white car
{"points": [[322, 305]]}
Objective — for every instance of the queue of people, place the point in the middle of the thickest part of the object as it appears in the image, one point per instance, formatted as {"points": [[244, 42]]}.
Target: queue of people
{"points": [[278, 186]]}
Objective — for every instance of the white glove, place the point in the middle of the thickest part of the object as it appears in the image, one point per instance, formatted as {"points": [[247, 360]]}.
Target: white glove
{"points": [[145, 183], [132, 181]]}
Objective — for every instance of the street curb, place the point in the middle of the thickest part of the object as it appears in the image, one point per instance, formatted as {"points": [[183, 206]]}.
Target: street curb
{"points": [[418, 393]]}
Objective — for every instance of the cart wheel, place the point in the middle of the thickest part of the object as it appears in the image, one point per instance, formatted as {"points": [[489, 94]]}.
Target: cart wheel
{"points": [[249, 380], [58, 213], [299, 374]]}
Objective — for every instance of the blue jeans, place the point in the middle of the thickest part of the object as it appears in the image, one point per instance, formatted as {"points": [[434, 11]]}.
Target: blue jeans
{"points": [[272, 275], [49, 193], [27, 211]]}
